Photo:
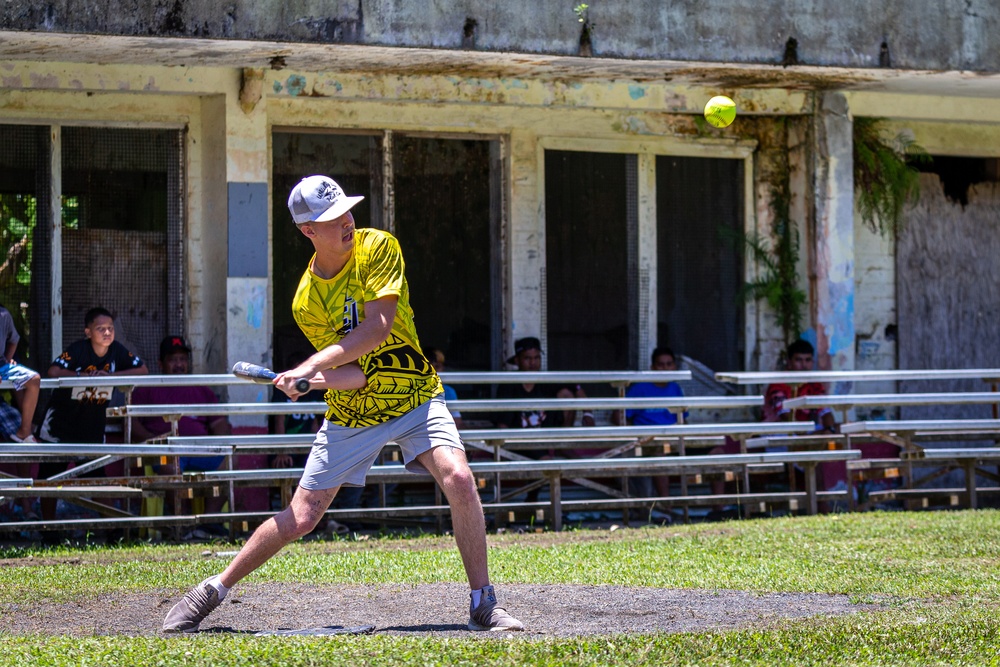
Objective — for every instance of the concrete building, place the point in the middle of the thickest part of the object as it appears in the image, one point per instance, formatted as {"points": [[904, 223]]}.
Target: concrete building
{"points": [[544, 164]]}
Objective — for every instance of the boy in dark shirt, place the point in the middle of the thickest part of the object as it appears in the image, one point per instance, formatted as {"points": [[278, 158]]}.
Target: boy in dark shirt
{"points": [[79, 414]]}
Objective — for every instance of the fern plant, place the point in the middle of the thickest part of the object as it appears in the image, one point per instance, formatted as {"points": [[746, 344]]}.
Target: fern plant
{"points": [[885, 178], [777, 281]]}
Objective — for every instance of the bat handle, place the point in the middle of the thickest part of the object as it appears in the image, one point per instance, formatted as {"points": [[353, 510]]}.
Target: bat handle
{"points": [[302, 385]]}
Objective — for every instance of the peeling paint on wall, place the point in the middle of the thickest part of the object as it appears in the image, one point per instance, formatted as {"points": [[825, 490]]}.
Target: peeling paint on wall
{"points": [[256, 307], [636, 91], [44, 80], [631, 125], [295, 84]]}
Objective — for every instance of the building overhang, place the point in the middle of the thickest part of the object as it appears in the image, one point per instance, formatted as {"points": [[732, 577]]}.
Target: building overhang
{"points": [[402, 61]]}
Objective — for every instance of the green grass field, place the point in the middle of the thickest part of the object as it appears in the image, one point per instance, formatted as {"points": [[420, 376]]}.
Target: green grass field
{"points": [[935, 575]]}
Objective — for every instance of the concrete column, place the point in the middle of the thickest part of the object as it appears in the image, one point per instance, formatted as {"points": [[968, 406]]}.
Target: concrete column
{"points": [[526, 240], [646, 251], [206, 236], [833, 303], [248, 317], [55, 203]]}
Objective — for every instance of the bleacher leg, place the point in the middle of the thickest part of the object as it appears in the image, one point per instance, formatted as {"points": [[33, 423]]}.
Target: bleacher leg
{"points": [[970, 482], [555, 496], [810, 473]]}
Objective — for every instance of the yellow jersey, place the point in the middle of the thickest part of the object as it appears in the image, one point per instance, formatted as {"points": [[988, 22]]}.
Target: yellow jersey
{"points": [[399, 377]]}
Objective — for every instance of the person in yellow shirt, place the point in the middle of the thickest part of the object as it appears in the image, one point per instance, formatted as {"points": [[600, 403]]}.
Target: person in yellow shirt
{"points": [[353, 305]]}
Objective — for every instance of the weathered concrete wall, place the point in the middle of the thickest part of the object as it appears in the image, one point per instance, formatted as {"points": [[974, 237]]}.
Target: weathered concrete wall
{"points": [[907, 34], [771, 170], [875, 311], [225, 145]]}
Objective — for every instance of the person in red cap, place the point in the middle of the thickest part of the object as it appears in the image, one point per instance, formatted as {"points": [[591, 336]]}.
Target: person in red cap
{"points": [[175, 359]]}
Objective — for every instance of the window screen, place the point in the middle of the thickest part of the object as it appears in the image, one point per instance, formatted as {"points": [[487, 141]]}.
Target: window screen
{"points": [[442, 215], [586, 239], [347, 159], [699, 270], [122, 233], [25, 286]]}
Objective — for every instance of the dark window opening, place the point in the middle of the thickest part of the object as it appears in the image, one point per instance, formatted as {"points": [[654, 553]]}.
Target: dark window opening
{"points": [[586, 261], [442, 221], [699, 272], [958, 174], [346, 159], [122, 233], [25, 233]]}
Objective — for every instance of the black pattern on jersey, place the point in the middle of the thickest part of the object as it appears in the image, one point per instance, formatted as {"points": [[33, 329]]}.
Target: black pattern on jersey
{"points": [[399, 380], [400, 357], [327, 310]]}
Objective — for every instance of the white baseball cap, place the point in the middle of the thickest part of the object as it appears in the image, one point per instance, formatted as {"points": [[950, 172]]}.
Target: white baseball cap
{"points": [[318, 199]]}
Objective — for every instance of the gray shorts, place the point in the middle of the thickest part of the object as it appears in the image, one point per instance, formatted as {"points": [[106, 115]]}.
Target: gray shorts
{"points": [[342, 456]]}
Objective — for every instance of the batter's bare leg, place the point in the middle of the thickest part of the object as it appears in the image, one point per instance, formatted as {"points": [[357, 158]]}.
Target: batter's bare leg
{"points": [[451, 470], [295, 521]]}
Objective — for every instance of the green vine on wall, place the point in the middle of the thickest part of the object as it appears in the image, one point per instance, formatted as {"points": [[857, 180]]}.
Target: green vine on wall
{"points": [[885, 178], [886, 181], [777, 281]]}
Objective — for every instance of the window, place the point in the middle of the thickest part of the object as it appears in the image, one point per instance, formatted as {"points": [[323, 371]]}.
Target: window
{"points": [[586, 254], [699, 267], [347, 159], [24, 215], [121, 233], [122, 241]]}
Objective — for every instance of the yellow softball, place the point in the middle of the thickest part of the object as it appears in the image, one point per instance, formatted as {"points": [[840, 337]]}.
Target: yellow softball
{"points": [[720, 111]]}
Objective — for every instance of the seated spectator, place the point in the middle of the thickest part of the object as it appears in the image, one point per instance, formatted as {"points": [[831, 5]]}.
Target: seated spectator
{"points": [[663, 359], [175, 359], [528, 358], [79, 414], [436, 358], [799, 357], [27, 384], [10, 421]]}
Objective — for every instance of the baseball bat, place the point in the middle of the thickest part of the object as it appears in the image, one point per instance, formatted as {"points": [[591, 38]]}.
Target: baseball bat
{"points": [[262, 375]]}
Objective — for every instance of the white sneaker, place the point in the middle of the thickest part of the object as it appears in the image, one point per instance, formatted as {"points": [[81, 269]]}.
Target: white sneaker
{"points": [[27, 440]]}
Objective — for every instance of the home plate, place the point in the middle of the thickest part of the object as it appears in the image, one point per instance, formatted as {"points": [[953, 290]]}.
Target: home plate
{"points": [[325, 630]]}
